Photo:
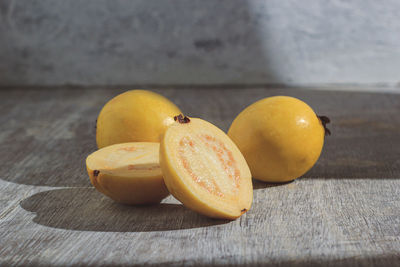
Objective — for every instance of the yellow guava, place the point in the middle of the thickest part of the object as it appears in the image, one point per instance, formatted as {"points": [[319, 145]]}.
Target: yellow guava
{"points": [[134, 116], [280, 137], [128, 173]]}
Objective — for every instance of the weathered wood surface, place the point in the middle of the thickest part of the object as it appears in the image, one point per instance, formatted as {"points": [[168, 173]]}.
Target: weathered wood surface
{"points": [[344, 212]]}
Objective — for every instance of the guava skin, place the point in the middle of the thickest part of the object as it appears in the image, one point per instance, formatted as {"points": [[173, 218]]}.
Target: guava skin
{"points": [[134, 116], [280, 137]]}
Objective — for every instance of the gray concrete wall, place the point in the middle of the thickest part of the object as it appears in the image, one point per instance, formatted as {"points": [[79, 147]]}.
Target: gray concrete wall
{"points": [[114, 42]]}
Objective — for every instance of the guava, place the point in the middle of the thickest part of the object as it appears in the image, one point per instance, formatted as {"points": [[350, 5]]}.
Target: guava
{"points": [[204, 169], [128, 173], [134, 116], [280, 137]]}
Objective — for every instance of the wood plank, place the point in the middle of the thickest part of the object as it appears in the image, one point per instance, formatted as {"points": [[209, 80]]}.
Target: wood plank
{"points": [[308, 221], [50, 215]]}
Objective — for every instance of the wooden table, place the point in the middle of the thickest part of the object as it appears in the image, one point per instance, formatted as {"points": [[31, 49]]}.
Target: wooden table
{"points": [[344, 212]]}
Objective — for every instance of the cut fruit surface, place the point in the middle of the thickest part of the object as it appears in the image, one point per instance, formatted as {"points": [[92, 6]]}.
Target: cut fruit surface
{"points": [[205, 170], [128, 173]]}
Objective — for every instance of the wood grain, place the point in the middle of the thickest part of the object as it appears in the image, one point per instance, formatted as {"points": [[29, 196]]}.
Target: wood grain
{"points": [[344, 212]]}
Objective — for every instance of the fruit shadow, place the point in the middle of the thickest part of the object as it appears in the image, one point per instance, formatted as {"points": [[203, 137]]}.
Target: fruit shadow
{"points": [[261, 185], [84, 209]]}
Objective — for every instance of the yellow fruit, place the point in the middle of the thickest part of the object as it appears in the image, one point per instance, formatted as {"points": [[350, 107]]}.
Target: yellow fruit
{"points": [[134, 116], [281, 138], [128, 173], [205, 170]]}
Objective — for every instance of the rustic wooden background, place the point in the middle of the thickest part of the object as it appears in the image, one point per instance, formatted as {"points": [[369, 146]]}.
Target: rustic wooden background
{"points": [[344, 212]]}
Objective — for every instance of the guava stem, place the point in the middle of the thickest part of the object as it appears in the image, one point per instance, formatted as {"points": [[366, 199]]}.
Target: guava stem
{"points": [[96, 173], [182, 119], [325, 120]]}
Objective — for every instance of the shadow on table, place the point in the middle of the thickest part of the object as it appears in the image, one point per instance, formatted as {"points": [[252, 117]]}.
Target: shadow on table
{"points": [[260, 185], [84, 209], [381, 260]]}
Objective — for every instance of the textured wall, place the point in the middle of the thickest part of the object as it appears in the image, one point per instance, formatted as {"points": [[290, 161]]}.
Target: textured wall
{"points": [[199, 42]]}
